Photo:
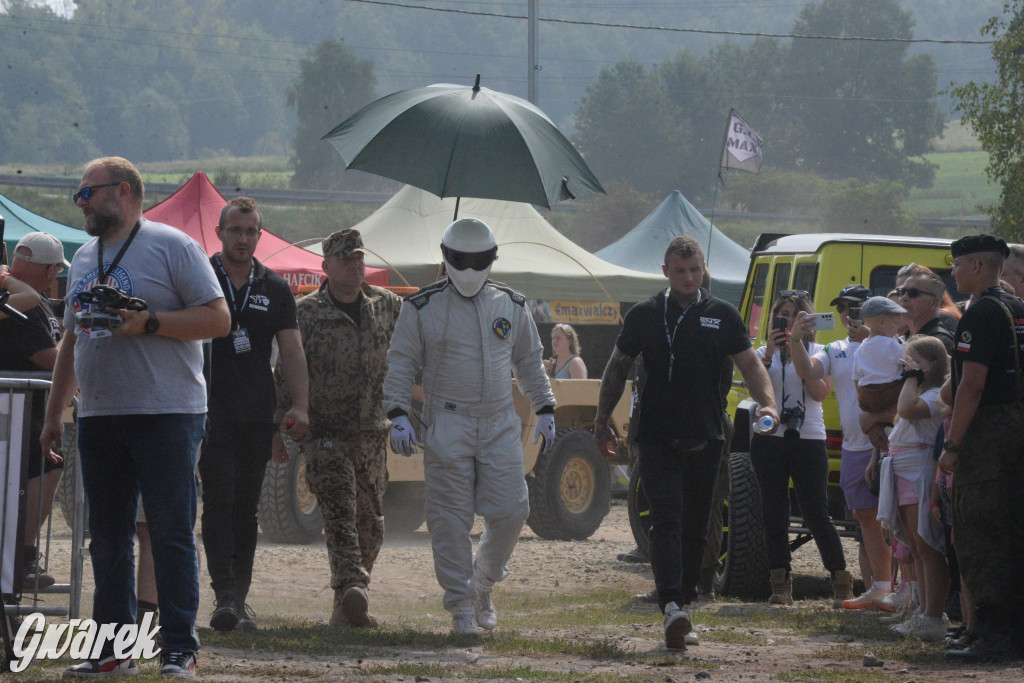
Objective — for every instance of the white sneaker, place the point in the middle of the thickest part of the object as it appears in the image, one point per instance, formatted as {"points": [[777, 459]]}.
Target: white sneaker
{"points": [[677, 625], [869, 599], [894, 602], [463, 624], [929, 629], [483, 609], [905, 628], [691, 638]]}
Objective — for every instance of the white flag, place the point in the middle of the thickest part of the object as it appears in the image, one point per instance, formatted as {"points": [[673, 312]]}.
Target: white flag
{"points": [[741, 149]]}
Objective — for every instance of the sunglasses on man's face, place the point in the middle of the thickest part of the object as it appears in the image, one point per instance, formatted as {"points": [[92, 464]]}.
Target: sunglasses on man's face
{"points": [[912, 292], [87, 192]]}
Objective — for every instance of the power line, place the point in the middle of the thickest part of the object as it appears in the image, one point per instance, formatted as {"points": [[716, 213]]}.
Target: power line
{"points": [[675, 29]]}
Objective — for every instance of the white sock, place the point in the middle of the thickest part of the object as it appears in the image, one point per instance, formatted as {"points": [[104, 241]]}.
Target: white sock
{"points": [[914, 598], [880, 585]]}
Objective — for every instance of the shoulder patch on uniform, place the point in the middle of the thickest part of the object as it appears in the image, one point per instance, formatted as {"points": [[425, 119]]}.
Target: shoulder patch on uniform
{"points": [[516, 297], [422, 297]]}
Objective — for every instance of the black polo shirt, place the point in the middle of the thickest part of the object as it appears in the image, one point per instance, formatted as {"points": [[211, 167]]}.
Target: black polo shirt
{"points": [[22, 339], [984, 336], [688, 407], [242, 384], [936, 328]]}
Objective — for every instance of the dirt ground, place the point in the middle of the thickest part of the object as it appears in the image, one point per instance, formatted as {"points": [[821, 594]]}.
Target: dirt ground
{"points": [[291, 584]]}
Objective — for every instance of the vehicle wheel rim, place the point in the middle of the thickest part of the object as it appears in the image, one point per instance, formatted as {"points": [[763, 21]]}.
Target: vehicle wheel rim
{"points": [[303, 496], [577, 486]]}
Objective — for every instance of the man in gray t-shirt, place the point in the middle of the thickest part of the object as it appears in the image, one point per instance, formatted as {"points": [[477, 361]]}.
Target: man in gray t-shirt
{"points": [[142, 404]]}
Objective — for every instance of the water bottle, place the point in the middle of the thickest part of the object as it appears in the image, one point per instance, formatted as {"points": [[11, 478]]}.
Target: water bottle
{"points": [[764, 424]]}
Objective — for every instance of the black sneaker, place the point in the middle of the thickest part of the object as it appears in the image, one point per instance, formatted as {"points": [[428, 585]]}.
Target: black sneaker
{"points": [[224, 617], [246, 618], [33, 573], [179, 665], [103, 668]]}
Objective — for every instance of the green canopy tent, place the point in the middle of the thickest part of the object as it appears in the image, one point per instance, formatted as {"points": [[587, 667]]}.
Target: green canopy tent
{"points": [[19, 221], [643, 247]]}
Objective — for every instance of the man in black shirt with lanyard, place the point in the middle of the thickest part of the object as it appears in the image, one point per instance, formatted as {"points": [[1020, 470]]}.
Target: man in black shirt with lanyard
{"points": [[983, 448], [685, 335], [242, 404]]}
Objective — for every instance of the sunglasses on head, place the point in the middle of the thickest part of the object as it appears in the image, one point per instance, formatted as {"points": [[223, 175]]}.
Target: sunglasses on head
{"points": [[912, 292], [794, 293], [905, 269]]}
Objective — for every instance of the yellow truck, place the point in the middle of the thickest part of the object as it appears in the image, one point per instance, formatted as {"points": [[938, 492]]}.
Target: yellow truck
{"points": [[820, 264]]}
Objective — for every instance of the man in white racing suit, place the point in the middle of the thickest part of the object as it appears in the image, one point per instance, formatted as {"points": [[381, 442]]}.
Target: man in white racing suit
{"points": [[467, 334]]}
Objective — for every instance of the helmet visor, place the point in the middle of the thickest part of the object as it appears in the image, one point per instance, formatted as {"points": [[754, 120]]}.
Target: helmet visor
{"points": [[461, 260]]}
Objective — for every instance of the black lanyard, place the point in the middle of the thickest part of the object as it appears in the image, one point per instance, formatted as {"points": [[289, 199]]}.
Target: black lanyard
{"points": [[231, 289], [671, 338], [102, 280]]}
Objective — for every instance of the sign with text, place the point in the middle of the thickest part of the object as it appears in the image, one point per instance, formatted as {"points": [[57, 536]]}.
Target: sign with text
{"points": [[575, 312]]}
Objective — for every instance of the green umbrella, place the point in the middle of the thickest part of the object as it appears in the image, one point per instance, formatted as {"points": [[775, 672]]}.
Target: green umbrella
{"points": [[457, 141]]}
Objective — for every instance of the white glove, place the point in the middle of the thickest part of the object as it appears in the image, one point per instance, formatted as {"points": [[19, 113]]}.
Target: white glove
{"points": [[545, 429], [403, 438]]}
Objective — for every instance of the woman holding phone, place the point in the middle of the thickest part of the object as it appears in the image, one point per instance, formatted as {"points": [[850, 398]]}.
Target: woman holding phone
{"points": [[796, 450]]}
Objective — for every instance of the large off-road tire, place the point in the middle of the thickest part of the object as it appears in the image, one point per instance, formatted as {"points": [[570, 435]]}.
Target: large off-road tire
{"points": [[639, 512], [745, 571], [570, 488], [403, 507], [288, 510], [745, 568]]}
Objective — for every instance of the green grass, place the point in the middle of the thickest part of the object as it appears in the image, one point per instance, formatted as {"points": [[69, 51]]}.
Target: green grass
{"points": [[960, 186], [849, 676]]}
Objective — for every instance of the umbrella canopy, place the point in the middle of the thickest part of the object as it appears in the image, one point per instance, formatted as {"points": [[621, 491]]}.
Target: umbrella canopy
{"points": [[461, 141], [195, 210]]}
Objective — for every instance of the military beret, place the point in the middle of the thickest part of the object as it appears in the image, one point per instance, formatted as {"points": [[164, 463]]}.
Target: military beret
{"points": [[343, 243], [972, 244]]}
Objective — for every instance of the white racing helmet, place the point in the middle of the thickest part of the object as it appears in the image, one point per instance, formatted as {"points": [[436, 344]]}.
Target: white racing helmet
{"points": [[469, 251]]}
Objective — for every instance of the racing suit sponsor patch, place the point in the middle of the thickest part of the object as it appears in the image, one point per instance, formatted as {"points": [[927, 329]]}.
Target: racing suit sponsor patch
{"points": [[502, 327]]}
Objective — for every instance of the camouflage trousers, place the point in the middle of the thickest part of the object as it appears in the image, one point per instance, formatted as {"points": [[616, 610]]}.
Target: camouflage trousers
{"points": [[348, 474], [988, 529]]}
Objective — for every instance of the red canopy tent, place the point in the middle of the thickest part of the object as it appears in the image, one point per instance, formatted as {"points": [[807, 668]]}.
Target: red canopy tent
{"points": [[195, 210]]}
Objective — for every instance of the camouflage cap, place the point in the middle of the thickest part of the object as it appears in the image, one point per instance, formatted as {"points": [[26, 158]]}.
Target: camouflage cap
{"points": [[343, 243]]}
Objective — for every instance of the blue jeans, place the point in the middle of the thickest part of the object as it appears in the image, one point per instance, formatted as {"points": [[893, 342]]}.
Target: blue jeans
{"points": [[679, 486], [123, 455]]}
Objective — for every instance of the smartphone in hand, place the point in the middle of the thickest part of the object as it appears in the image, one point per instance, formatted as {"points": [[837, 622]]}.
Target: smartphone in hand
{"points": [[780, 324]]}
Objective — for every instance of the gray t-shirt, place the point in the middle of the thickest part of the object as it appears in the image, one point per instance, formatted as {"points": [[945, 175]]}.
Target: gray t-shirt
{"points": [[143, 374]]}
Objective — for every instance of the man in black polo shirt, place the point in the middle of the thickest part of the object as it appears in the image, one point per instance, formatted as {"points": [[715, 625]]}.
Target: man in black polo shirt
{"points": [[983, 449], [685, 336], [31, 345], [242, 404], [921, 295]]}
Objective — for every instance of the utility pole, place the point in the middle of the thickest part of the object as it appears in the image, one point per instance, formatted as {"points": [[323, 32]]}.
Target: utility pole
{"points": [[532, 66]]}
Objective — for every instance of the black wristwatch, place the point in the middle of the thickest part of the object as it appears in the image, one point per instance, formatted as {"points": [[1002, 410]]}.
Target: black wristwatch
{"points": [[152, 323], [952, 447]]}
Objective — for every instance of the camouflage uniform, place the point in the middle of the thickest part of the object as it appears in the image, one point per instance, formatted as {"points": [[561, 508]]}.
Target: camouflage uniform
{"points": [[346, 461]]}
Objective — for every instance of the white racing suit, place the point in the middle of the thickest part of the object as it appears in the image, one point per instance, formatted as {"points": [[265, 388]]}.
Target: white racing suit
{"points": [[467, 350]]}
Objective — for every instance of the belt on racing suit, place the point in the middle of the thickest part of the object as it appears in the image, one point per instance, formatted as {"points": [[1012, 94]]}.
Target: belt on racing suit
{"points": [[469, 410]]}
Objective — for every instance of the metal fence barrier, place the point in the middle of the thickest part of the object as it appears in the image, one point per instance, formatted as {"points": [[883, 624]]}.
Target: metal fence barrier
{"points": [[17, 390]]}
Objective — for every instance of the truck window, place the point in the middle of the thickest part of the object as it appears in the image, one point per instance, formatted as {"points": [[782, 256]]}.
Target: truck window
{"points": [[805, 277], [883, 281], [756, 302], [781, 280]]}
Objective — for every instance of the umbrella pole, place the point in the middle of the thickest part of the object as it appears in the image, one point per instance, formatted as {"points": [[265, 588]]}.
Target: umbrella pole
{"points": [[456, 217]]}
